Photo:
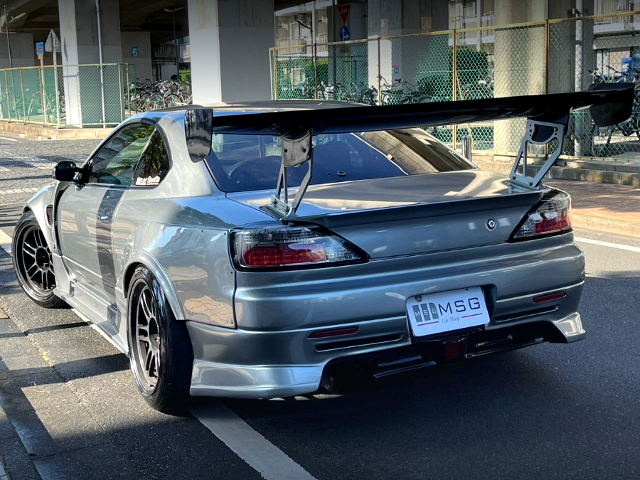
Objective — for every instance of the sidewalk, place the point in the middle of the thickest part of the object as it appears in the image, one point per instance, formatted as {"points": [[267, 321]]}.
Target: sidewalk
{"points": [[606, 207], [15, 462]]}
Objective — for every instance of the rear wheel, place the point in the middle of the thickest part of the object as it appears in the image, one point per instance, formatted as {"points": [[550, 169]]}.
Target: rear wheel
{"points": [[32, 262], [161, 353]]}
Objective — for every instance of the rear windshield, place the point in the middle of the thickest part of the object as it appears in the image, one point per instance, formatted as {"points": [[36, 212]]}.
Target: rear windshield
{"points": [[242, 163]]}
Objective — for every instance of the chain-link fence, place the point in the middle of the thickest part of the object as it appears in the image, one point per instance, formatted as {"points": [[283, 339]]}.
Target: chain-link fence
{"points": [[552, 56], [69, 95]]}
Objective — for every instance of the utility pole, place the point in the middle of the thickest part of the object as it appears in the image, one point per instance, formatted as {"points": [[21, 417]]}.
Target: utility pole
{"points": [[579, 123], [173, 11], [6, 28], [104, 120]]}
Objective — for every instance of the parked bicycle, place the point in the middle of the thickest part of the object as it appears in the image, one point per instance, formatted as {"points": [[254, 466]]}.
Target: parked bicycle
{"points": [[146, 96]]}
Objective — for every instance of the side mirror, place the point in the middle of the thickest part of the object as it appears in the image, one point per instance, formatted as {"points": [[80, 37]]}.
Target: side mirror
{"points": [[65, 171]]}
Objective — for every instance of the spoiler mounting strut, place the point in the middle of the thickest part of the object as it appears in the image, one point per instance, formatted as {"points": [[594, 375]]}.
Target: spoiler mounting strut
{"points": [[538, 133], [295, 152]]}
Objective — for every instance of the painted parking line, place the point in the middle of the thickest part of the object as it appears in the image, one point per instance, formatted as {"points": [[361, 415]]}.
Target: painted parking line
{"points": [[19, 190], [255, 450], [619, 246], [5, 242], [262, 455]]}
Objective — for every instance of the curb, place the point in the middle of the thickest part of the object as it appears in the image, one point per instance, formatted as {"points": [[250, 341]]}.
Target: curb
{"points": [[41, 132], [615, 174]]}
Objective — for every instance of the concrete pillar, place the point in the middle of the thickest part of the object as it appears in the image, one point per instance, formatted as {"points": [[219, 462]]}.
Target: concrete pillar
{"points": [[519, 63], [136, 51], [79, 43], [230, 43], [409, 59]]}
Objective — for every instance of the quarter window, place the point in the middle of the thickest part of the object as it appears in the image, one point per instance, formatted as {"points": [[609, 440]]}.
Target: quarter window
{"points": [[115, 162], [154, 163]]}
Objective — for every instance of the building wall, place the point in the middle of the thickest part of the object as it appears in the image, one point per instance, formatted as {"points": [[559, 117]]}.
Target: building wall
{"points": [[230, 44], [23, 50], [142, 62], [87, 31], [246, 28]]}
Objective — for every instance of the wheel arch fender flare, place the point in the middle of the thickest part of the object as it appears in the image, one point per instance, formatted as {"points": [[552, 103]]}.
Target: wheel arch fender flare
{"points": [[150, 262], [38, 205]]}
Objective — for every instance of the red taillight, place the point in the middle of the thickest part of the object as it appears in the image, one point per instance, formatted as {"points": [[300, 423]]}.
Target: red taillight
{"points": [[551, 215], [560, 221], [284, 255], [290, 246]]}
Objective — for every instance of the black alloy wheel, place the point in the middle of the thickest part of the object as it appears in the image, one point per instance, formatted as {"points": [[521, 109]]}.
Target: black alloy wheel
{"points": [[32, 261], [159, 345]]}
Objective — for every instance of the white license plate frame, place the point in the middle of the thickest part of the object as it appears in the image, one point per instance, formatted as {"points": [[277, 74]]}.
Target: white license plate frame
{"points": [[447, 311]]}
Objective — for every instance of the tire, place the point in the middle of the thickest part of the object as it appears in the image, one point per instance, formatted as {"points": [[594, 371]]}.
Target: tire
{"points": [[161, 363], [31, 258], [171, 100]]}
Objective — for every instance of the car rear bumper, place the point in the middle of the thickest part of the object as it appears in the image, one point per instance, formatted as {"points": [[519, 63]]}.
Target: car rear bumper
{"points": [[274, 351], [262, 381]]}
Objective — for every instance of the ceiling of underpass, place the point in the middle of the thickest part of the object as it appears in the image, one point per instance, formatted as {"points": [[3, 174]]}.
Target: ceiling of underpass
{"points": [[155, 16], [40, 16]]}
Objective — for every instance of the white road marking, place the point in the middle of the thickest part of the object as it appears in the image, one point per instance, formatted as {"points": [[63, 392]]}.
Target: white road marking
{"points": [[258, 452], [608, 244], [18, 190], [271, 462], [4, 169], [7, 138], [5, 242]]}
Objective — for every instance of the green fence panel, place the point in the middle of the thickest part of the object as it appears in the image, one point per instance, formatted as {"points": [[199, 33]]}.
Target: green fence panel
{"points": [[17, 95], [4, 96]]}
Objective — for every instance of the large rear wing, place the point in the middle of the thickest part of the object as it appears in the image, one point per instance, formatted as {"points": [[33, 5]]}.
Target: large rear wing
{"points": [[547, 120]]}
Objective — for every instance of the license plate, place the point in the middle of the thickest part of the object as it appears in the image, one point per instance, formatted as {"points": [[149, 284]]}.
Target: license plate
{"points": [[447, 311]]}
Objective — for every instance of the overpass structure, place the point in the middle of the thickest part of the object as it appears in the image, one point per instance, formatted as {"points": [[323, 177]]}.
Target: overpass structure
{"points": [[229, 39]]}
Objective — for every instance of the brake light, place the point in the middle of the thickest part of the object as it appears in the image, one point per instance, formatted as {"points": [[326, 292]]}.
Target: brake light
{"points": [[551, 215], [291, 246]]}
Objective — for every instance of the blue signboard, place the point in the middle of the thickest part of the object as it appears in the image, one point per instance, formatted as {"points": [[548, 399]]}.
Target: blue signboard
{"points": [[135, 52], [40, 48], [345, 33]]}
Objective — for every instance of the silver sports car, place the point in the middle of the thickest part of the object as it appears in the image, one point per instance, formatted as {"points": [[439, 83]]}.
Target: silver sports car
{"points": [[259, 250]]}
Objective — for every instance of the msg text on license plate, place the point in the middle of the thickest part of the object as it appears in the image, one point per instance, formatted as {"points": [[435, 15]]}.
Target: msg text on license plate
{"points": [[446, 311]]}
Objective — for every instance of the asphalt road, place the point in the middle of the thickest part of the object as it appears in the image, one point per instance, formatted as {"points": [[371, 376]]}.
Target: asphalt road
{"points": [[70, 408]]}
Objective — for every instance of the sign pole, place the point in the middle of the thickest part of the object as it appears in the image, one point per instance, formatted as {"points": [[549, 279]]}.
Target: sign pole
{"points": [[52, 45], [55, 81], [45, 113], [43, 102]]}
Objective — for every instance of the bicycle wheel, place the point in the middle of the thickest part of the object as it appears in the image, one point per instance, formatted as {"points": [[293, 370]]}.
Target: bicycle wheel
{"points": [[171, 100], [155, 102]]}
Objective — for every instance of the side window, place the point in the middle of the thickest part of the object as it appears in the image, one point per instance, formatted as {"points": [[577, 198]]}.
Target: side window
{"points": [[115, 162], [154, 163]]}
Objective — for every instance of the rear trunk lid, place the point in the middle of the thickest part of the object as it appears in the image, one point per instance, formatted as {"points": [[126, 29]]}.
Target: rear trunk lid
{"points": [[414, 214]]}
